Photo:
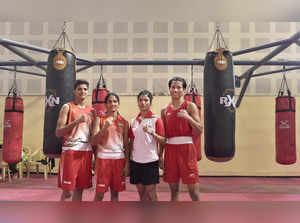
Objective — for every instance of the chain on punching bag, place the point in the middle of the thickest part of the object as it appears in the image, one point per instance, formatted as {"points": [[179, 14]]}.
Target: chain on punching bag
{"points": [[61, 75], [219, 104], [13, 125]]}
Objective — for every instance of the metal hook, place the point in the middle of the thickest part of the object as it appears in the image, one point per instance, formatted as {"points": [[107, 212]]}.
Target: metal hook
{"points": [[64, 27], [218, 26], [15, 72], [192, 75]]}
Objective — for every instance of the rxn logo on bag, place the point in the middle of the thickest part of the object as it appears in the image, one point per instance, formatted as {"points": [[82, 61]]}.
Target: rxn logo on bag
{"points": [[52, 101], [227, 101]]}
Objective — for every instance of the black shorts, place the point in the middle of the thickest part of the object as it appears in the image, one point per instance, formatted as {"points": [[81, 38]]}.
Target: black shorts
{"points": [[144, 173]]}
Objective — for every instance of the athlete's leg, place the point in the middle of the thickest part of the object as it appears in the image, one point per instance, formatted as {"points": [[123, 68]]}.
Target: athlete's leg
{"points": [[114, 195], [174, 187], [77, 194], [141, 190], [66, 195], [98, 196], [151, 192], [194, 191]]}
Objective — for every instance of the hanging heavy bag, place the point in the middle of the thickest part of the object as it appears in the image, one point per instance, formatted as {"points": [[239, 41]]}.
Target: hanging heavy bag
{"points": [[219, 106], [285, 128], [61, 76], [13, 126], [98, 96], [194, 97]]}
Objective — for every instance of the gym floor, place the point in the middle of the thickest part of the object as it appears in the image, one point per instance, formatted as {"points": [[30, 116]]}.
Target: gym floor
{"points": [[36, 188], [223, 199]]}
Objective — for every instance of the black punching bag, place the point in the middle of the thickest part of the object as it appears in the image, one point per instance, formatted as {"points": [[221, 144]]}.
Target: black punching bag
{"points": [[60, 79], [219, 106]]}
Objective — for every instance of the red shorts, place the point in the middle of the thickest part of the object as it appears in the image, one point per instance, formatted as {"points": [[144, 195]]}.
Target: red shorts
{"points": [[75, 170], [110, 174], [181, 162]]}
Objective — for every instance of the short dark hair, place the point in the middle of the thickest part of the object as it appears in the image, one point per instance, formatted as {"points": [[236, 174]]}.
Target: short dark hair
{"points": [[79, 82], [111, 94], [178, 79], [146, 93]]}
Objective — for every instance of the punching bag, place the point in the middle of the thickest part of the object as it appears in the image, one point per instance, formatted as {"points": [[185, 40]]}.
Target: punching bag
{"points": [[13, 129], [285, 127], [61, 76], [98, 96], [194, 97], [219, 106]]}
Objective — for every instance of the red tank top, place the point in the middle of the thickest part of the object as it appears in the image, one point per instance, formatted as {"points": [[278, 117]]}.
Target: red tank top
{"points": [[80, 132], [177, 126], [112, 139]]}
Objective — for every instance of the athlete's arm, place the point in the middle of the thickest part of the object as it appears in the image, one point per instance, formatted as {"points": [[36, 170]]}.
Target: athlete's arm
{"points": [[93, 116], [163, 117], [94, 142], [158, 138], [130, 147], [192, 115], [62, 128], [130, 140], [95, 131], [126, 140], [126, 148], [159, 134], [99, 132], [161, 147]]}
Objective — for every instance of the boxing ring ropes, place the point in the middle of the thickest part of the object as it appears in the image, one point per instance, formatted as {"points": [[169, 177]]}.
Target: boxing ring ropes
{"points": [[281, 45]]}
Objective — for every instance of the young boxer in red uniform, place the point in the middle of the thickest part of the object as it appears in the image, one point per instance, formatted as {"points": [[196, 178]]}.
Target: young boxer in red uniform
{"points": [[180, 160], [110, 134], [74, 124]]}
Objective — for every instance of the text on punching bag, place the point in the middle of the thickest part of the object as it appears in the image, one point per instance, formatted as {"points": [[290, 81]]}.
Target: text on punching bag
{"points": [[52, 101], [227, 101]]}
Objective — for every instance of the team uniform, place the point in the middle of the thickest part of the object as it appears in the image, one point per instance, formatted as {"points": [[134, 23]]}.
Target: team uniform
{"points": [[180, 153], [111, 157], [75, 166], [144, 166]]}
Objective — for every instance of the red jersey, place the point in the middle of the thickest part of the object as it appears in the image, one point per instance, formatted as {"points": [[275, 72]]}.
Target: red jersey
{"points": [[111, 144], [176, 126], [78, 137]]}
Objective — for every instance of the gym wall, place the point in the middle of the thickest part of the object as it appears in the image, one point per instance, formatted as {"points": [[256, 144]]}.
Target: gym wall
{"points": [[114, 40], [255, 135]]}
